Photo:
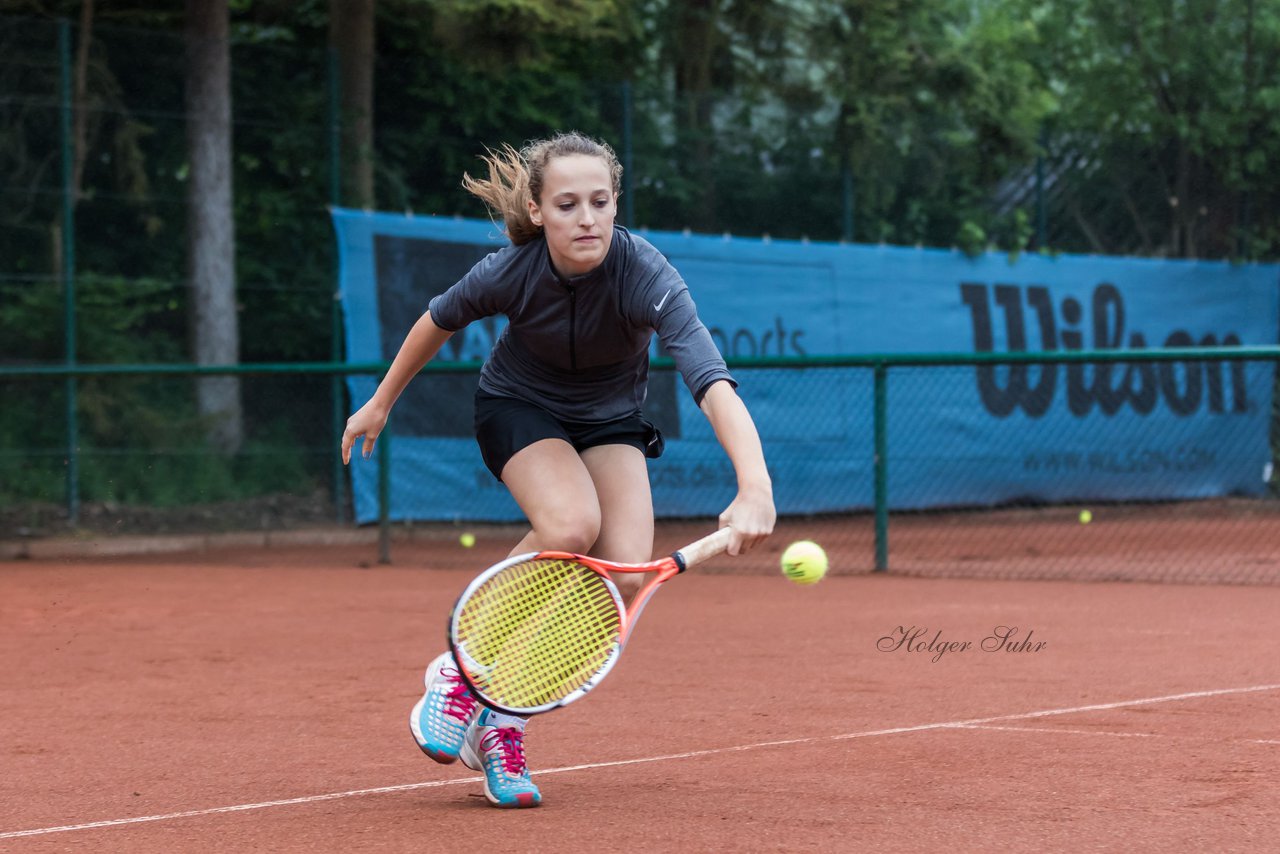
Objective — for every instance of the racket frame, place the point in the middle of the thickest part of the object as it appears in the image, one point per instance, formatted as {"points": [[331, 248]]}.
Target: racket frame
{"points": [[662, 570]]}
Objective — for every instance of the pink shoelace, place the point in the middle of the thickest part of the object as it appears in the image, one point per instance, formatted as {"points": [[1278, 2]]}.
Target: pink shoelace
{"points": [[458, 701], [511, 740]]}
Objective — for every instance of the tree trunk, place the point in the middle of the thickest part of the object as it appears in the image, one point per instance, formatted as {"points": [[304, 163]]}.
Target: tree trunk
{"points": [[1183, 207], [697, 42], [351, 38], [215, 329], [79, 132]]}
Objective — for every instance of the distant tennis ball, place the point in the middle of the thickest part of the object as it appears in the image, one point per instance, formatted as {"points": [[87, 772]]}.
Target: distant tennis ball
{"points": [[804, 562], [1086, 516], [468, 540]]}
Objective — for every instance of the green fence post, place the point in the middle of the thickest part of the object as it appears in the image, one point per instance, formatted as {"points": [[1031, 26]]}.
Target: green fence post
{"points": [[881, 439], [69, 269], [338, 421], [384, 496]]}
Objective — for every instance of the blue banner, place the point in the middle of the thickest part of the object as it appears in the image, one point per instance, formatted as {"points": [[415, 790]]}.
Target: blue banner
{"points": [[988, 435]]}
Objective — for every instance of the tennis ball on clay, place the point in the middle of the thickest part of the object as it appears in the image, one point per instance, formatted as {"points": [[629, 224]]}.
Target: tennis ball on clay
{"points": [[804, 562], [468, 540], [1086, 516]]}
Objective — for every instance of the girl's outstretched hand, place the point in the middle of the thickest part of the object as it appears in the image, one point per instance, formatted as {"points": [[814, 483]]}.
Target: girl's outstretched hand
{"points": [[368, 421]]}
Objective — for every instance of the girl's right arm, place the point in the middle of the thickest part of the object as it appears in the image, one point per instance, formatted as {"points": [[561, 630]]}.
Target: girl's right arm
{"points": [[422, 343]]}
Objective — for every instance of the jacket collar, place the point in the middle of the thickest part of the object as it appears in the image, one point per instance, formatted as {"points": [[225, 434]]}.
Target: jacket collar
{"points": [[591, 276]]}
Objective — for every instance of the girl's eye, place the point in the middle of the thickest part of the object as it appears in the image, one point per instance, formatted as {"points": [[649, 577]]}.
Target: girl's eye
{"points": [[600, 203], [566, 207]]}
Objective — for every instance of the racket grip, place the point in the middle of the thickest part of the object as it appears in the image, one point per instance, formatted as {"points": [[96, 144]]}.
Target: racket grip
{"points": [[704, 549]]}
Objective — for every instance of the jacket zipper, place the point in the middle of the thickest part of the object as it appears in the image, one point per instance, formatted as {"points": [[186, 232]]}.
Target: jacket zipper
{"points": [[573, 322]]}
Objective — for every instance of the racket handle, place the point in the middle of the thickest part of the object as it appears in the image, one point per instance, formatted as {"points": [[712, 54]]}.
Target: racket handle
{"points": [[704, 549]]}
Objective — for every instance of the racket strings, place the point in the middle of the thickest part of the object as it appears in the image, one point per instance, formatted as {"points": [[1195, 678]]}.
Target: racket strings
{"points": [[537, 631]]}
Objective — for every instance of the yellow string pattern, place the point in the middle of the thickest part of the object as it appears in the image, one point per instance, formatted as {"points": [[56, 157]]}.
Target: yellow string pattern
{"points": [[536, 632]]}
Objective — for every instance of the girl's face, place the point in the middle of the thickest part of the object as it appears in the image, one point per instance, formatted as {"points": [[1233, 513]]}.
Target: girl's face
{"points": [[576, 212]]}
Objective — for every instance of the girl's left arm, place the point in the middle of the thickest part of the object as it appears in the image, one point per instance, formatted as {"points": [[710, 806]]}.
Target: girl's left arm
{"points": [[751, 514]]}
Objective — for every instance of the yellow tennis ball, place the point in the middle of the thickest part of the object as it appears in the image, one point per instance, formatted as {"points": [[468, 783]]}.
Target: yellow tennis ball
{"points": [[804, 562], [1086, 516], [468, 540]]}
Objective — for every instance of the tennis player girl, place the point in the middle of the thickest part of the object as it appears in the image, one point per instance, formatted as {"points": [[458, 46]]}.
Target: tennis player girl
{"points": [[558, 411]]}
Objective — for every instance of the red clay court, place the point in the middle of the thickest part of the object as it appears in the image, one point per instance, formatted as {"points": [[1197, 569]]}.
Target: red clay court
{"points": [[257, 700]]}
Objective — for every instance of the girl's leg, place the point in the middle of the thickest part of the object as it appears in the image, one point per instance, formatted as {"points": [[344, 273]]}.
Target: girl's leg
{"points": [[597, 503], [621, 477], [554, 488]]}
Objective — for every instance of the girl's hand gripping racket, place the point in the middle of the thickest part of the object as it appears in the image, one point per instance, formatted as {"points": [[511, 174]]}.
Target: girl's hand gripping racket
{"points": [[537, 631]]}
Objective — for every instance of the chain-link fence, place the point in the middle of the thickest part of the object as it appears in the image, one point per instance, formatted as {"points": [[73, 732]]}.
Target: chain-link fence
{"points": [[1185, 490], [892, 463], [139, 461]]}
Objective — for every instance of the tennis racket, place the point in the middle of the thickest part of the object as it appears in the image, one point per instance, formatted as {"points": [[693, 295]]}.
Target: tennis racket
{"points": [[538, 631]]}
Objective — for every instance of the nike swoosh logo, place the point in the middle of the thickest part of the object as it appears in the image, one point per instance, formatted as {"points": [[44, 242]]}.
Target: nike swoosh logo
{"points": [[657, 306]]}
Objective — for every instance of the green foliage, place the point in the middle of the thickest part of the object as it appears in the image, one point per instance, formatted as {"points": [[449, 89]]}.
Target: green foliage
{"points": [[1165, 123], [521, 34], [1155, 128], [118, 320], [142, 442], [971, 238], [285, 261], [185, 475]]}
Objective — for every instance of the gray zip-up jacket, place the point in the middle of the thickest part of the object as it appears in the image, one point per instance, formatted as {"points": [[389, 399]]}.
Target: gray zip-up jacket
{"points": [[580, 347]]}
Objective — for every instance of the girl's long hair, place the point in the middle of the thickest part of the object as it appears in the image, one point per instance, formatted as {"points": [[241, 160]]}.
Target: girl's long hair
{"points": [[515, 177]]}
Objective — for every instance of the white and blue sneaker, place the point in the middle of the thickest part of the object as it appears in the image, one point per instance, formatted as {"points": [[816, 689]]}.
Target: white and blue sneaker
{"points": [[439, 720], [495, 745]]}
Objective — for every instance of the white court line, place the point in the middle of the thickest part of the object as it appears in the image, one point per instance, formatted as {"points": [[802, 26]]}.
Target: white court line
{"points": [[1056, 731], [354, 793], [1060, 731]]}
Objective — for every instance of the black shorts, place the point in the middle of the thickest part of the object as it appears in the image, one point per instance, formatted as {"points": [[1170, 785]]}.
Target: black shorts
{"points": [[505, 425]]}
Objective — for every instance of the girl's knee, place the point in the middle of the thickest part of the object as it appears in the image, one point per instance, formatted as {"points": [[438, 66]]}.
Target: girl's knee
{"points": [[569, 532]]}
